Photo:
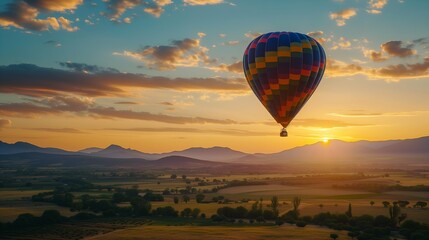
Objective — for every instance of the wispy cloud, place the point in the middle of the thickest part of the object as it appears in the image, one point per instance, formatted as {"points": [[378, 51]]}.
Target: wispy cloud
{"points": [[86, 107], [57, 130], [4, 123], [228, 131], [90, 80], [325, 123], [202, 2], [365, 114]]}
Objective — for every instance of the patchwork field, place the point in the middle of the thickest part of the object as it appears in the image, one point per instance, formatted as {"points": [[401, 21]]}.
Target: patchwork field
{"points": [[221, 233]]}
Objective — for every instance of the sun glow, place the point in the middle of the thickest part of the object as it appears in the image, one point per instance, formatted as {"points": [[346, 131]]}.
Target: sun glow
{"points": [[325, 140]]}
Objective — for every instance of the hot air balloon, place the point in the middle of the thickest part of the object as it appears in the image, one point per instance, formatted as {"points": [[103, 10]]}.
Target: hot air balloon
{"points": [[284, 69]]}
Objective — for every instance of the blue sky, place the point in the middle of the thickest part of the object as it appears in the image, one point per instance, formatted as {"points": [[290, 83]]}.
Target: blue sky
{"points": [[376, 79]]}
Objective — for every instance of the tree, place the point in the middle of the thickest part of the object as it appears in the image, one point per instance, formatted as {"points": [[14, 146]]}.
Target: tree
{"points": [[403, 204], [184, 177], [199, 198], [52, 216], [140, 206], [176, 199], [401, 218], [173, 176], [421, 204], [26, 220], [195, 212], [333, 236], [296, 202], [372, 203], [349, 211], [394, 212], [275, 206], [186, 198], [386, 204], [321, 206], [186, 212], [353, 234]]}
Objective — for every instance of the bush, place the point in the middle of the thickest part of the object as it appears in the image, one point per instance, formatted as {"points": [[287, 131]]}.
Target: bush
{"points": [[301, 224]]}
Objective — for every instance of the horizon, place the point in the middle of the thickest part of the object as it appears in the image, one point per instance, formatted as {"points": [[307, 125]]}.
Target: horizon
{"points": [[150, 75], [323, 142]]}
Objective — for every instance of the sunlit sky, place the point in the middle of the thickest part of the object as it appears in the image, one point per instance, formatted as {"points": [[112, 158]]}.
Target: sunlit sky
{"points": [[163, 75]]}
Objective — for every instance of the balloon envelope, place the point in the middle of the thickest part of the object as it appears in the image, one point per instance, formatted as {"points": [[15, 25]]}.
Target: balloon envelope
{"points": [[283, 69]]}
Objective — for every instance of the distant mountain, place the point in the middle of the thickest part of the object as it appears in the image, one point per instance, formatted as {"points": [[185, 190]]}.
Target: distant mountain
{"points": [[347, 152], [333, 152], [116, 151], [409, 146], [221, 154], [37, 159], [90, 150], [21, 147]]}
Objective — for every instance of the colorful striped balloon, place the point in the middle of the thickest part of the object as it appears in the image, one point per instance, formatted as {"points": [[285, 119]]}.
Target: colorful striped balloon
{"points": [[283, 69]]}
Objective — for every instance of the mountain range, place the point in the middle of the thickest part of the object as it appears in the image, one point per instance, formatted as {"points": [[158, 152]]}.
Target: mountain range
{"points": [[411, 152]]}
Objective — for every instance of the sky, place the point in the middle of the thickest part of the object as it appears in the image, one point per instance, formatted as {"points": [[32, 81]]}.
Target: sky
{"points": [[163, 75]]}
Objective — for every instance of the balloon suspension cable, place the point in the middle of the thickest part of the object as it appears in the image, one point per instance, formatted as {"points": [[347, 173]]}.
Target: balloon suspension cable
{"points": [[283, 133]]}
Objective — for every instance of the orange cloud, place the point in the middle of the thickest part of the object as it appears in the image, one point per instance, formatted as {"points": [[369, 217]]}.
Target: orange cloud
{"points": [[5, 123], [375, 6], [236, 67], [341, 16], [181, 53], [21, 15], [56, 6], [202, 2], [90, 80]]}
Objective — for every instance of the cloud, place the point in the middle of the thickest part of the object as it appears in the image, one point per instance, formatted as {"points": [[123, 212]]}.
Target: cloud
{"points": [[375, 6], [32, 80], [236, 67], [53, 43], [202, 2], [393, 49], [157, 8], [57, 130], [229, 132], [396, 49], [86, 107], [325, 123], [56, 6], [86, 68], [402, 71], [319, 36], [20, 14], [336, 68], [118, 7], [395, 72], [127, 103], [29, 110], [166, 103], [374, 55], [180, 53], [365, 114], [4, 123], [341, 16], [66, 24], [343, 43], [232, 43], [252, 35]]}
